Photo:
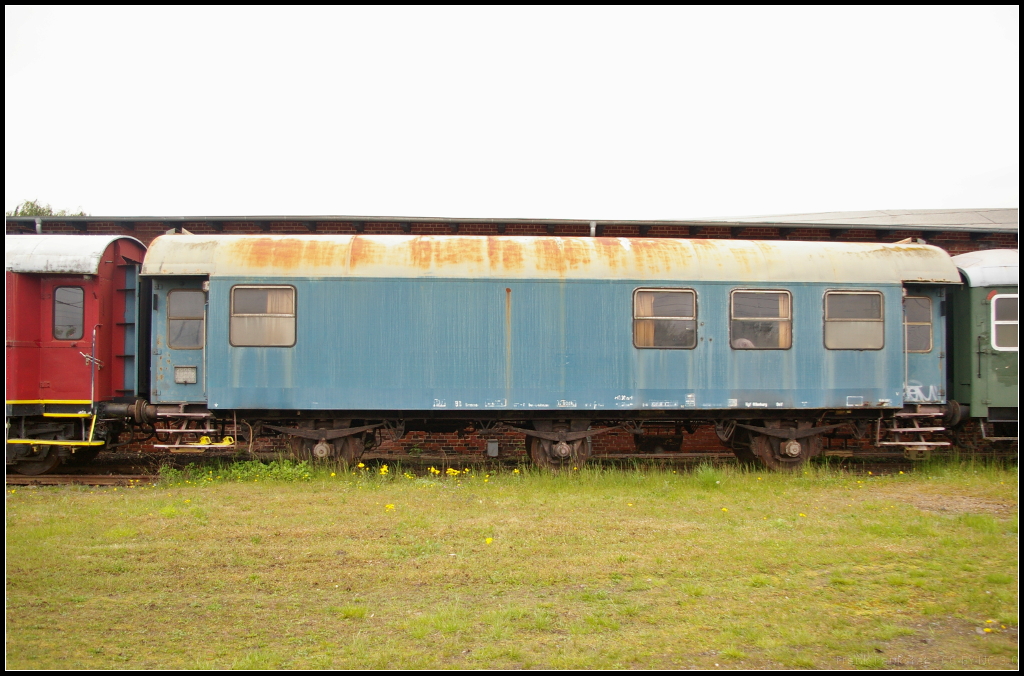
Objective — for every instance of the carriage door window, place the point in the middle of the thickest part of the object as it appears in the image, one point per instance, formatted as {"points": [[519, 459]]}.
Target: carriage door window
{"points": [[68, 312], [1004, 322], [853, 321], [917, 320], [665, 318], [186, 311], [761, 320], [263, 316]]}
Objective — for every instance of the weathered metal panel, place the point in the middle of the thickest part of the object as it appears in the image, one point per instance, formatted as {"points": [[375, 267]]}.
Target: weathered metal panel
{"points": [[167, 362], [982, 376], [533, 345], [564, 258], [57, 254], [926, 371], [994, 267]]}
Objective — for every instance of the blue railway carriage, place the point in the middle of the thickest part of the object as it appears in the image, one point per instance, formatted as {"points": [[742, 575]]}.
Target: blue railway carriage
{"points": [[328, 338]]}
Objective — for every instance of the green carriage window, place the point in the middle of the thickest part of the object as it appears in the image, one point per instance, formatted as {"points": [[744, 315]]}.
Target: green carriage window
{"points": [[186, 315], [665, 318], [1005, 322], [761, 320], [854, 320], [917, 322], [263, 316], [68, 312]]}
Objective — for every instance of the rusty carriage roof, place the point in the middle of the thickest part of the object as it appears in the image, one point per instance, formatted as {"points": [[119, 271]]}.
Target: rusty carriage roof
{"points": [[460, 256]]}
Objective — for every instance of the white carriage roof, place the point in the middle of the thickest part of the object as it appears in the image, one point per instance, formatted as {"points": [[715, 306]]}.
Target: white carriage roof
{"points": [[454, 256], [993, 267], [57, 254]]}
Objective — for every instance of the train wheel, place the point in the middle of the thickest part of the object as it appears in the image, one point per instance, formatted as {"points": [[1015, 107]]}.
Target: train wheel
{"points": [[542, 457], [43, 461], [351, 449], [784, 454], [741, 445]]}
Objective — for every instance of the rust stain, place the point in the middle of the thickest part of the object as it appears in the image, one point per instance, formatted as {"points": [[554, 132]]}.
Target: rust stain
{"points": [[505, 255], [508, 344], [433, 252], [657, 256], [365, 252], [288, 254], [548, 256]]}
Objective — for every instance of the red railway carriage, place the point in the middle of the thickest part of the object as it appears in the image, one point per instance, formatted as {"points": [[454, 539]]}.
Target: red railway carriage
{"points": [[72, 342]]}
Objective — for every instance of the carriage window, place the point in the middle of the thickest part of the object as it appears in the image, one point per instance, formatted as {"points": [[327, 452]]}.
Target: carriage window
{"points": [[68, 312], [186, 311], [761, 320], [263, 316], [665, 318], [1004, 322], [853, 320], [917, 320]]}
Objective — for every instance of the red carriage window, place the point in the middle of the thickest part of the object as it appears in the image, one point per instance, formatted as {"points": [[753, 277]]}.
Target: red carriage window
{"points": [[68, 312]]}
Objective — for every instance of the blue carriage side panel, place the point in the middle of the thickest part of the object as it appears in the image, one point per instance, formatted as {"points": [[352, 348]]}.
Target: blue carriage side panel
{"points": [[925, 357], [456, 344], [179, 354]]}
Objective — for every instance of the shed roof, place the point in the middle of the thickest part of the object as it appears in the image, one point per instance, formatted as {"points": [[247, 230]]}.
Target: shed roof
{"points": [[970, 220], [993, 267], [977, 222], [57, 254], [454, 256]]}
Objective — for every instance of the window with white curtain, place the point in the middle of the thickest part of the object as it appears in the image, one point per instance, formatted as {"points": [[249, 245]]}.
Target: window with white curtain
{"points": [[854, 320], [263, 316], [1005, 322]]}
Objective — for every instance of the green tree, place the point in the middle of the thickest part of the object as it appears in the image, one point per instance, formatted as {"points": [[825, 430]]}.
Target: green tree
{"points": [[34, 208]]}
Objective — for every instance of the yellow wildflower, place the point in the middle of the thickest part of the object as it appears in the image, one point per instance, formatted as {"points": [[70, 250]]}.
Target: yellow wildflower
{"points": [[725, 509], [389, 508], [383, 470], [489, 540]]}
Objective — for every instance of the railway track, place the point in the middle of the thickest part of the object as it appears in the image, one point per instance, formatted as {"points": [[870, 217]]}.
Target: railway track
{"points": [[81, 479]]}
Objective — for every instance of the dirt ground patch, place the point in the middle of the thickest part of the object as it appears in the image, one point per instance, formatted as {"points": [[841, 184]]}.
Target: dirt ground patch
{"points": [[952, 504]]}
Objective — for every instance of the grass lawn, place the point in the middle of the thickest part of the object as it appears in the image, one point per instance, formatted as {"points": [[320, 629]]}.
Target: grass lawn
{"points": [[284, 566]]}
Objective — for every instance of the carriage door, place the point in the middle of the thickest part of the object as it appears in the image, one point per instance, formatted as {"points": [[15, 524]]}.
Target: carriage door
{"points": [[924, 332], [179, 339]]}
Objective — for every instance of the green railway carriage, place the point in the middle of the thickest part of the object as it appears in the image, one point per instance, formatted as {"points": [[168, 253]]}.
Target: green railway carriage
{"points": [[985, 341]]}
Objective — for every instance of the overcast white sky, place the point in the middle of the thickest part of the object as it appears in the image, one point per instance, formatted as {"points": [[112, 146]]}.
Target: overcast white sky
{"points": [[605, 113]]}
